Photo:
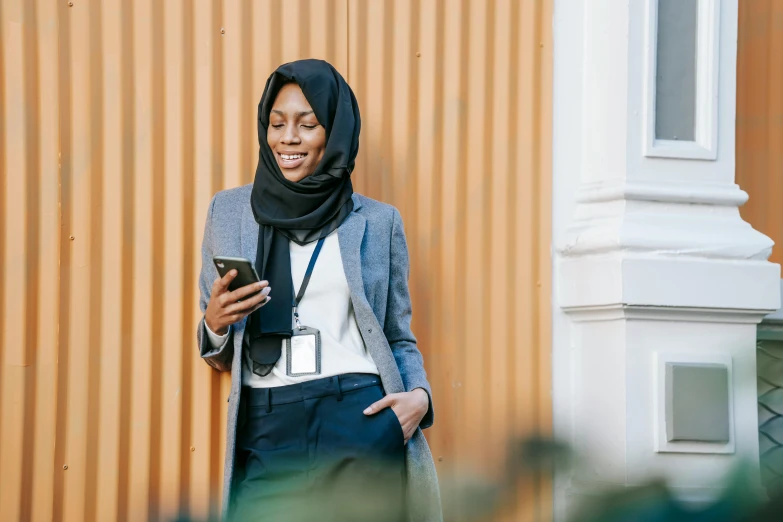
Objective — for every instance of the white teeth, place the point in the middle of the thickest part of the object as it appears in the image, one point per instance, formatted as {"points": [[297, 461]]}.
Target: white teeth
{"points": [[292, 156]]}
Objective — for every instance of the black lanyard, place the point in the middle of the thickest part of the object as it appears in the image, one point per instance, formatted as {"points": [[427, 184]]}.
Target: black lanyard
{"points": [[298, 298]]}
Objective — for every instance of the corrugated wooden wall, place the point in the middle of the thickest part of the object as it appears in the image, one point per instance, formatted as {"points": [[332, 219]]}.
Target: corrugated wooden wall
{"points": [[760, 117], [119, 120]]}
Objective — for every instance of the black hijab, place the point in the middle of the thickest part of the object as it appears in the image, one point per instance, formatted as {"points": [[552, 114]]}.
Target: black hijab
{"points": [[302, 212]]}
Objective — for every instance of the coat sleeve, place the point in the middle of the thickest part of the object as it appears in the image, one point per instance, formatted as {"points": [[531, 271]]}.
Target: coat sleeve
{"points": [[218, 357], [397, 325]]}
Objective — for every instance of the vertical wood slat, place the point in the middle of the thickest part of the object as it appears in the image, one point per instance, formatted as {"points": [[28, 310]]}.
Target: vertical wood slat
{"points": [[471, 229], [542, 293], [43, 438], [96, 266], [32, 304], [15, 270], [206, 31], [65, 257], [79, 155], [499, 412], [170, 478], [111, 256], [426, 156], [448, 134], [142, 295], [125, 117], [8, 500]]}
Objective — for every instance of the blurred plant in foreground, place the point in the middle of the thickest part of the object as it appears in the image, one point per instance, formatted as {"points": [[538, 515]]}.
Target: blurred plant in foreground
{"points": [[470, 497]]}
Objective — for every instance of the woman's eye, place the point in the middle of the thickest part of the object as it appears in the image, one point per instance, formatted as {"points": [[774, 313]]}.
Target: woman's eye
{"points": [[309, 126], [277, 125]]}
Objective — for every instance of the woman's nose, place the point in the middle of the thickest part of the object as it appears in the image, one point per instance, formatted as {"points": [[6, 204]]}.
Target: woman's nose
{"points": [[290, 135]]}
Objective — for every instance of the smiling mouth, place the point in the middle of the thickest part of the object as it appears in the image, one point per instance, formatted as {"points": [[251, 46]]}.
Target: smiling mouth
{"points": [[291, 161]]}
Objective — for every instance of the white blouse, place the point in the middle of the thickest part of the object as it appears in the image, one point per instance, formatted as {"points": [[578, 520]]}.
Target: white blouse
{"points": [[325, 306]]}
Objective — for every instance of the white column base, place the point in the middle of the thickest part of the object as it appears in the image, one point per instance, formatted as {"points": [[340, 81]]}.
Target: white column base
{"points": [[653, 259], [631, 306]]}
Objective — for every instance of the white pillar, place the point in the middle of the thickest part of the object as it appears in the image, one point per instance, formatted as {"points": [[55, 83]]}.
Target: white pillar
{"points": [[653, 261]]}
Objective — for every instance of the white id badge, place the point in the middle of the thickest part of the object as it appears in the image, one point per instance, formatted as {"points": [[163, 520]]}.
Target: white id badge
{"points": [[303, 352]]}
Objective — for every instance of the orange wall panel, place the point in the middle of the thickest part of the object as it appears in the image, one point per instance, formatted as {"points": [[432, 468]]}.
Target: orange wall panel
{"points": [[455, 98], [120, 119], [760, 117]]}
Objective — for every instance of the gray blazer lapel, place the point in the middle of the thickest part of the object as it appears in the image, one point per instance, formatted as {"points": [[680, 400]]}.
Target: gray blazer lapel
{"points": [[248, 237], [248, 242], [350, 235]]}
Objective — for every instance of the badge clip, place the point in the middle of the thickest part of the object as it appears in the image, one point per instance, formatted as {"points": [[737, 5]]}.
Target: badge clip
{"points": [[297, 323]]}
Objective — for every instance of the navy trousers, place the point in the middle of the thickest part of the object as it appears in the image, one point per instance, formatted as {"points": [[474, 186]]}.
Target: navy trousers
{"points": [[307, 452]]}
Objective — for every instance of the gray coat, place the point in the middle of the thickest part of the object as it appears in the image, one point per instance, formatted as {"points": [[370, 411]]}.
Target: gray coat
{"points": [[375, 259]]}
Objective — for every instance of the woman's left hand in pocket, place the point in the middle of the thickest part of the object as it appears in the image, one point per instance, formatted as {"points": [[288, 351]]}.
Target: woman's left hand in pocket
{"points": [[410, 407]]}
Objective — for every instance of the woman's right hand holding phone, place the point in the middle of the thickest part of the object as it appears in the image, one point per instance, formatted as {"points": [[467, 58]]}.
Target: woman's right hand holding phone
{"points": [[226, 307]]}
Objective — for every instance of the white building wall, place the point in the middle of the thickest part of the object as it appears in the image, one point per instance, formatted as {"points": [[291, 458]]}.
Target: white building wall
{"points": [[652, 260]]}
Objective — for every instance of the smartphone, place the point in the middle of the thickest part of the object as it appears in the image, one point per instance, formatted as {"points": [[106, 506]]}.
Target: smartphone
{"points": [[246, 272]]}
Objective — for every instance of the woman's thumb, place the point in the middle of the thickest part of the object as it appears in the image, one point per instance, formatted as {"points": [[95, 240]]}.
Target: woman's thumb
{"points": [[377, 406]]}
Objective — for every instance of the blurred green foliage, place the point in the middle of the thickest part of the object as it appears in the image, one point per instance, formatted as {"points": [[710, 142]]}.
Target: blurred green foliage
{"points": [[471, 498]]}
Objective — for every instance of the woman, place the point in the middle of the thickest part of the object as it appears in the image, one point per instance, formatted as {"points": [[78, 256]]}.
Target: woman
{"points": [[328, 388]]}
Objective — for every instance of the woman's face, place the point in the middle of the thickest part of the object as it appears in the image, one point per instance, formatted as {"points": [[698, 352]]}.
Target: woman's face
{"points": [[294, 134]]}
